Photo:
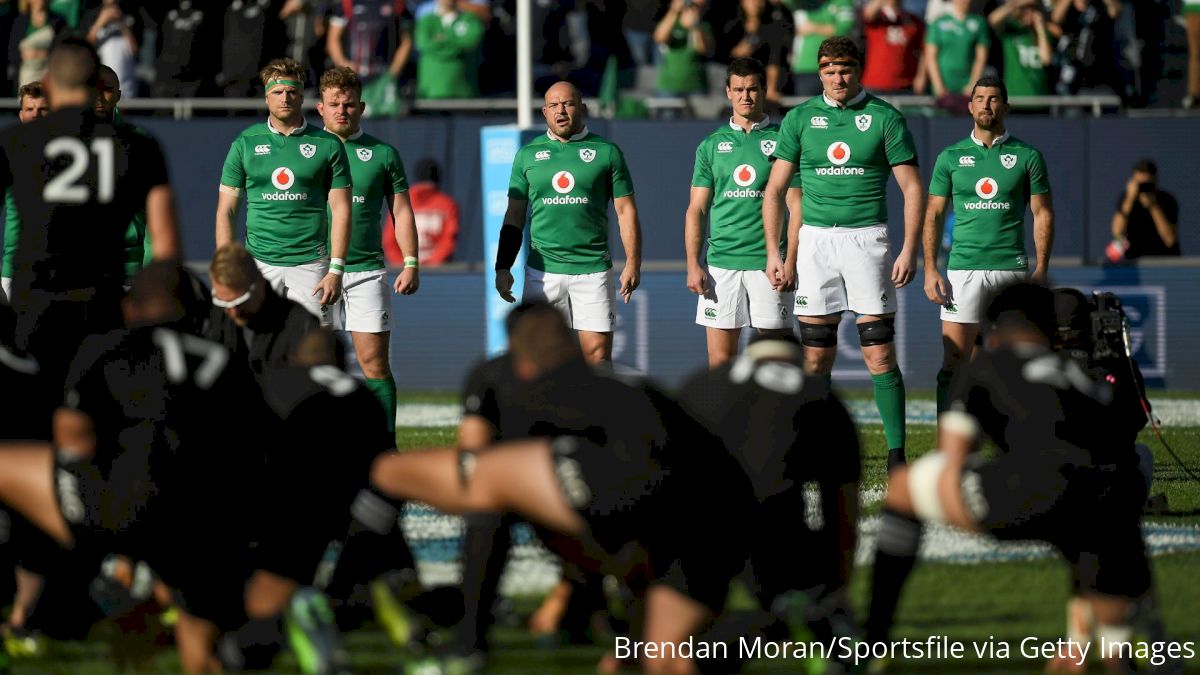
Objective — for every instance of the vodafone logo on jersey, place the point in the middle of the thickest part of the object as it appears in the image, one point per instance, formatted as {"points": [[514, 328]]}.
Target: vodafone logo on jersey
{"points": [[744, 175], [283, 179], [838, 153], [563, 182], [987, 189]]}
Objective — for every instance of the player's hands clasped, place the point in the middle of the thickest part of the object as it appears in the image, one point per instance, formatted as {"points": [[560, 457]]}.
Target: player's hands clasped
{"points": [[408, 281], [781, 275], [329, 289]]}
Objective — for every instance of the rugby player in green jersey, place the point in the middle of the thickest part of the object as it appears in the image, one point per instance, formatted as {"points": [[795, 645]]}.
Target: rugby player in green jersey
{"points": [[732, 166], [289, 172], [565, 181], [991, 178], [365, 307], [845, 143]]}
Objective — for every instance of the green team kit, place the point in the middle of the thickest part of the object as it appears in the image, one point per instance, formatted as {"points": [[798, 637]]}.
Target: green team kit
{"points": [[735, 165], [286, 180], [568, 186], [956, 41], [377, 172], [990, 189], [844, 157]]}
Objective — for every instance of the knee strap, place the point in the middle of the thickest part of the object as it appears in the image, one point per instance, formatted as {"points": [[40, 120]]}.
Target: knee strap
{"points": [[879, 332], [818, 334]]}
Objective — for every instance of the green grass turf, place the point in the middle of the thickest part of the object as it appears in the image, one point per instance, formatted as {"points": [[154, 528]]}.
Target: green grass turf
{"points": [[1003, 602]]}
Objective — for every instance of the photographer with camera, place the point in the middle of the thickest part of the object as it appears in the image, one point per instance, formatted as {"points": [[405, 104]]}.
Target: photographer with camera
{"points": [[1147, 219]]}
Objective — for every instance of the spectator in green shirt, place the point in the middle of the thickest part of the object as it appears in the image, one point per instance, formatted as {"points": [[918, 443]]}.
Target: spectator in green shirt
{"points": [[956, 50], [448, 44], [684, 41], [1021, 27], [830, 18]]}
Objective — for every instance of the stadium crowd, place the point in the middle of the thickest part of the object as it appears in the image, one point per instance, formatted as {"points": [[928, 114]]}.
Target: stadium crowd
{"points": [[124, 490], [439, 49]]}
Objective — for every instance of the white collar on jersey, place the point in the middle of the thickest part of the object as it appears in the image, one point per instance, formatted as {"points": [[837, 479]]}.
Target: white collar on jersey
{"points": [[302, 127], [833, 104], [352, 137], [577, 137], [757, 125], [999, 139]]}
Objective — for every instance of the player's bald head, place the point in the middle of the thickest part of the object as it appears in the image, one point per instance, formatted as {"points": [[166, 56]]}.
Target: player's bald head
{"points": [[561, 91], [539, 339], [73, 65], [161, 293], [319, 347], [109, 78]]}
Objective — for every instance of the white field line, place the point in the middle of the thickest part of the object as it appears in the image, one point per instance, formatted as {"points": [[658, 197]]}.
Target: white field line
{"points": [[1172, 413]]}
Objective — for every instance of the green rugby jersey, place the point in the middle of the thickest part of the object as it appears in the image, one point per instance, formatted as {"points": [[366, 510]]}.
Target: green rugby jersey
{"points": [[735, 165], [377, 172], [136, 244], [844, 157], [12, 234], [286, 180], [956, 42], [568, 186], [990, 188]]}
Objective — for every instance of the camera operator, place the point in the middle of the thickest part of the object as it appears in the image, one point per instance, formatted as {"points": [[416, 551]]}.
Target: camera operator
{"points": [[1057, 478], [1092, 332], [1146, 221]]}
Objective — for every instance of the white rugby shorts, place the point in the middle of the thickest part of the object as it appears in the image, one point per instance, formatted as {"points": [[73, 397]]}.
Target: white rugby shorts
{"points": [[365, 305], [739, 298], [842, 269], [296, 283], [970, 289], [586, 300]]}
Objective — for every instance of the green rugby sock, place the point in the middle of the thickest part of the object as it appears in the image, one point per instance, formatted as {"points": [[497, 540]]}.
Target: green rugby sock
{"points": [[889, 399], [943, 388], [385, 390]]}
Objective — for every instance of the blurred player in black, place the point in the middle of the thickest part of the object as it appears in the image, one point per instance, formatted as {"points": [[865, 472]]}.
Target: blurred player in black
{"points": [[788, 431], [254, 322], [622, 482], [494, 411], [315, 471], [1050, 419], [77, 183], [138, 456], [135, 447]]}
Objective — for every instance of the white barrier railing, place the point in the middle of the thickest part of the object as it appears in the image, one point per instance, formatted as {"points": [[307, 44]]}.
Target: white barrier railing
{"points": [[185, 108]]}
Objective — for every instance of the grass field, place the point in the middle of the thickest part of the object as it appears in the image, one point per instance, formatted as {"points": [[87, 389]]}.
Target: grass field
{"points": [[988, 601]]}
